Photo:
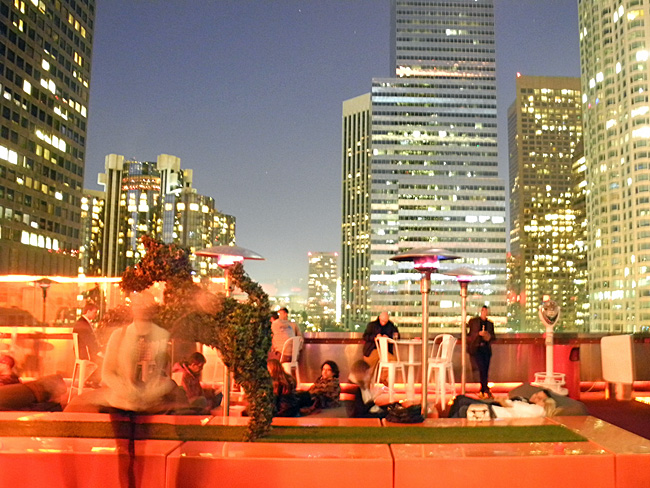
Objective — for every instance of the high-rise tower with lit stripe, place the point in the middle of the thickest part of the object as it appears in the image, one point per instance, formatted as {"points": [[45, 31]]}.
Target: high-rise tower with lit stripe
{"points": [[432, 177]]}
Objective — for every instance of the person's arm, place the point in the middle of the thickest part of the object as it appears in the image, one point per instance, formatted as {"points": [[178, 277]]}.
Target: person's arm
{"points": [[318, 387], [473, 329], [296, 329], [369, 339], [369, 333], [110, 371], [395, 331], [493, 336]]}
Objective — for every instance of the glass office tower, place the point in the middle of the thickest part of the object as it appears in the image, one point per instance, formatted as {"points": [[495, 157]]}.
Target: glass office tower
{"points": [[433, 175], [545, 136], [322, 289], [45, 63], [614, 54]]}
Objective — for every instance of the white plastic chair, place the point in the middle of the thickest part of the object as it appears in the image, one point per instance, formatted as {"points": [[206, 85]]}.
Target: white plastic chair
{"points": [[295, 343], [442, 366], [385, 362], [82, 370]]}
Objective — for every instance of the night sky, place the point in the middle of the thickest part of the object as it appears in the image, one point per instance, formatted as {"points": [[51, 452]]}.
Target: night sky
{"points": [[249, 95]]}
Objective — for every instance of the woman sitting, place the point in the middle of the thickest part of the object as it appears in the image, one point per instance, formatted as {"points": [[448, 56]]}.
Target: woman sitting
{"points": [[363, 405], [284, 390], [325, 391]]}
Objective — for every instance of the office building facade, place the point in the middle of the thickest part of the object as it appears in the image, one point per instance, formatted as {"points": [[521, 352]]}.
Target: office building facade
{"points": [[92, 232], [433, 169], [614, 55], [156, 198], [322, 289], [545, 136], [356, 178], [45, 64]]}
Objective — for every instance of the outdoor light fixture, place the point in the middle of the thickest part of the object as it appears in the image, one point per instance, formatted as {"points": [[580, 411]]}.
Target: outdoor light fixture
{"points": [[44, 284], [463, 276], [425, 261], [228, 256]]}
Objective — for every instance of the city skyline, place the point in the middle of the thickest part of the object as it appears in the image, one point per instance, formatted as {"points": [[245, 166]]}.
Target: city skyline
{"points": [[158, 91]]}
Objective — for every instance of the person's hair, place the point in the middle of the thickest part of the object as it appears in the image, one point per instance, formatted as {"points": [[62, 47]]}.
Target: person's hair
{"points": [[274, 316], [196, 358], [485, 307], [90, 306], [8, 360], [333, 365], [550, 407], [279, 376], [284, 309], [358, 372], [547, 392]]}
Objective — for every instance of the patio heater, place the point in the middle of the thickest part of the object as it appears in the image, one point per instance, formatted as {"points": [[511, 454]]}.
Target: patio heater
{"points": [[44, 284], [226, 257], [463, 276], [426, 262]]}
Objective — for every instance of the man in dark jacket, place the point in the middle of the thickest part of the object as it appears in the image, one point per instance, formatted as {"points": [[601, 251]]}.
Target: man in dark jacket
{"points": [[382, 326], [479, 338], [89, 347]]}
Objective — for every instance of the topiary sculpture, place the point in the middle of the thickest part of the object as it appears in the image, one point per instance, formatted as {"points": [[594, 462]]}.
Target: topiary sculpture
{"points": [[241, 331]]}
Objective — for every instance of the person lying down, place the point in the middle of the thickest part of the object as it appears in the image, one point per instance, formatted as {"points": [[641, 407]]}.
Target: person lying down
{"points": [[540, 404]]}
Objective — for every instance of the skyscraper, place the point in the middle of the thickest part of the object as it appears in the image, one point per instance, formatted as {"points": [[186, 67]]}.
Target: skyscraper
{"points": [[614, 54], [545, 136], [92, 232], [356, 177], [431, 179], [46, 52], [156, 198], [321, 289]]}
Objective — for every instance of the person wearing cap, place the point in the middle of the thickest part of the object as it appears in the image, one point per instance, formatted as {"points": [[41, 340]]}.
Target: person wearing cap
{"points": [[282, 329]]}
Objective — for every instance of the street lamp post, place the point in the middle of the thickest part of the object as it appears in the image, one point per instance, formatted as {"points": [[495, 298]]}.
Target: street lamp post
{"points": [[227, 256], [463, 276], [44, 284], [425, 261]]}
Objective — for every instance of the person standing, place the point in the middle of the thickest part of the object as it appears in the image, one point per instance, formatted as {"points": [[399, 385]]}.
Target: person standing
{"points": [[382, 326], [89, 347], [479, 340], [282, 329], [135, 361]]}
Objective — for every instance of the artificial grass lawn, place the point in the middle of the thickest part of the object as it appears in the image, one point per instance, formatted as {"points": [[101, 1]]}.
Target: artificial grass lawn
{"points": [[411, 434]]}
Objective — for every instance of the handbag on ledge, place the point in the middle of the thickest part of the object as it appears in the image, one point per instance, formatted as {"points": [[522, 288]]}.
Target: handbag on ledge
{"points": [[404, 415]]}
